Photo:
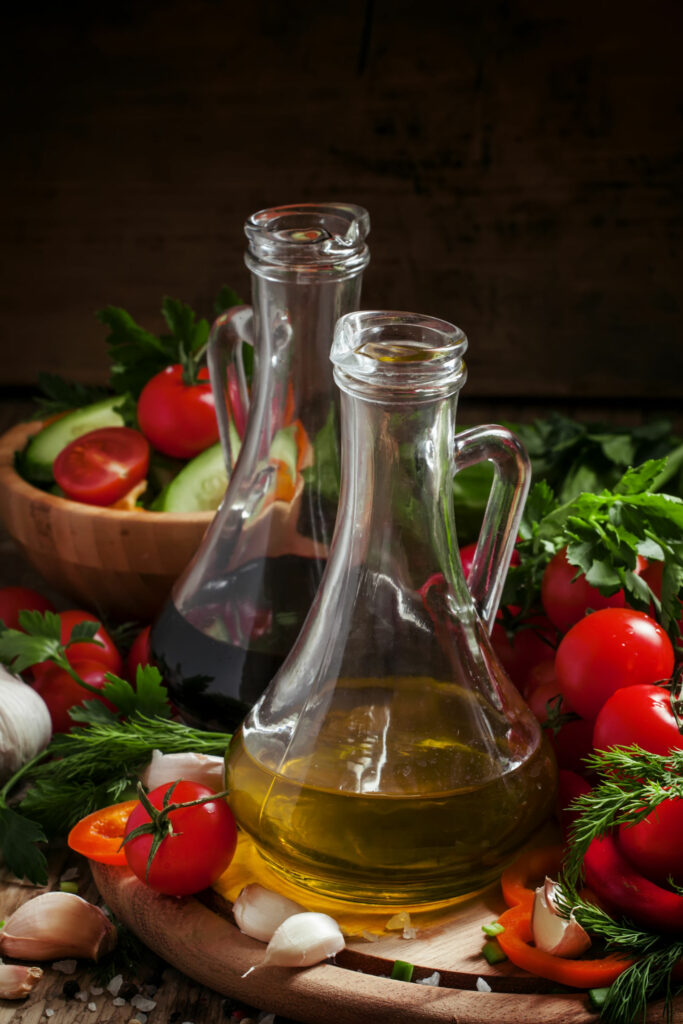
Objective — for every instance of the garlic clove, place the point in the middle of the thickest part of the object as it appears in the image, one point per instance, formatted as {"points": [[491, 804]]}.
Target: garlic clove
{"points": [[16, 982], [25, 723], [205, 769], [57, 924], [303, 940], [259, 912], [552, 933]]}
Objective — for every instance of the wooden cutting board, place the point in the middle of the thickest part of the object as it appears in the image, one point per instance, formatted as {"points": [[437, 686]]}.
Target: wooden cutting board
{"points": [[199, 938]]}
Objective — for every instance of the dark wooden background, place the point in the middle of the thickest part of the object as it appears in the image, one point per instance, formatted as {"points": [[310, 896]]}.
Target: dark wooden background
{"points": [[522, 163]]}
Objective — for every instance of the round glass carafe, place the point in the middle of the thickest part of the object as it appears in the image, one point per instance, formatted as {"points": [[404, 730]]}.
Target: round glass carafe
{"points": [[391, 760], [236, 611]]}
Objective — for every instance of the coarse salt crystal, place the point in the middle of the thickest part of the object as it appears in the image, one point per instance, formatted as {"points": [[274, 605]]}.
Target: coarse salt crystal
{"points": [[119, 1001], [409, 933], [398, 922], [64, 966], [114, 986], [92, 1006], [141, 1018], [431, 979], [82, 996], [140, 1003], [95, 990], [483, 986], [49, 1013]]}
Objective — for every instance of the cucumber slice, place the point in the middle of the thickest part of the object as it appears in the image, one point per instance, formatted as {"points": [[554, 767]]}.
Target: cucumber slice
{"points": [[284, 448], [200, 485], [45, 446]]}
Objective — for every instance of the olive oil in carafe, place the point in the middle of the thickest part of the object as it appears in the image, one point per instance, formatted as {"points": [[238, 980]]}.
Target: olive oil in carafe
{"points": [[371, 822]]}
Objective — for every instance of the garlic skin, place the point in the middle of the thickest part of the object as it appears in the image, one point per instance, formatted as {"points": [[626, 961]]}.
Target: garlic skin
{"points": [[205, 769], [303, 940], [56, 925], [25, 724], [551, 932], [16, 982], [259, 912]]}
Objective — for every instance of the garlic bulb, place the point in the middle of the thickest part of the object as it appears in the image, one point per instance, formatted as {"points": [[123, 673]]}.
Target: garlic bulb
{"points": [[205, 769], [259, 912], [552, 933], [16, 982], [25, 725], [57, 924], [303, 940]]}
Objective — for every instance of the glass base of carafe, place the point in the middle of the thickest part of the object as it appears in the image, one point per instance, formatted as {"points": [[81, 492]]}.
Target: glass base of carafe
{"points": [[417, 850]]}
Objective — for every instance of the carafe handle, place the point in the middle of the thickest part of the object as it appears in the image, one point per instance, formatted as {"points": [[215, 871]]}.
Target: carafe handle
{"points": [[498, 534], [228, 378]]}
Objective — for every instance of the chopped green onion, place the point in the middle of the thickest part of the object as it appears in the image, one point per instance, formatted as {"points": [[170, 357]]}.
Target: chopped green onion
{"points": [[492, 952], [492, 929], [597, 997], [402, 971], [69, 887]]}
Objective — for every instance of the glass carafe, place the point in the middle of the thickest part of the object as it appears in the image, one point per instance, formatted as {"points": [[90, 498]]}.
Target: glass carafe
{"points": [[391, 760], [237, 610]]}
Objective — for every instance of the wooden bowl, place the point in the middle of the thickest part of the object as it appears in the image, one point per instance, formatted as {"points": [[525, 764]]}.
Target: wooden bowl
{"points": [[116, 563]]}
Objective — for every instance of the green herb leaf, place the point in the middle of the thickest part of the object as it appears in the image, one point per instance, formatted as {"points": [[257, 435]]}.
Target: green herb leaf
{"points": [[19, 837], [61, 395], [136, 355], [226, 299]]}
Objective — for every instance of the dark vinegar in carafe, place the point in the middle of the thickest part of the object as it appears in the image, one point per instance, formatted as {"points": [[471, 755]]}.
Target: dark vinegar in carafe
{"points": [[218, 656]]}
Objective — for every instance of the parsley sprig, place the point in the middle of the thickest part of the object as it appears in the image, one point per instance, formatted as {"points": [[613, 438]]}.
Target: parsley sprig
{"points": [[604, 534]]}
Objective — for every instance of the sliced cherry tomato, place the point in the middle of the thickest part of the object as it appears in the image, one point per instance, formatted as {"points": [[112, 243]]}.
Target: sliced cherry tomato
{"points": [[20, 599], [99, 835], [104, 652], [654, 845], [607, 650], [640, 714], [60, 691], [178, 419], [100, 467], [197, 852]]}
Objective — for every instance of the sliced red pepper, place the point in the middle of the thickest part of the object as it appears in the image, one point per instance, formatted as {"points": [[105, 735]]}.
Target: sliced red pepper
{"points": [[520, 880], [624, 891], [100, 835], [516, 939]]}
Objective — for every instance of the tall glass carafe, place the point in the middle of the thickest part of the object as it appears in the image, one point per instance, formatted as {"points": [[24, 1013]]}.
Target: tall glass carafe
{"points": [[391, 760], [234, 615]]}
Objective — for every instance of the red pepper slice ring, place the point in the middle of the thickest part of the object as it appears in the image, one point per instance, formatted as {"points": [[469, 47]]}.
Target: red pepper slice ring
{"points": [[516, 939], [99, 835], [520, 879]]}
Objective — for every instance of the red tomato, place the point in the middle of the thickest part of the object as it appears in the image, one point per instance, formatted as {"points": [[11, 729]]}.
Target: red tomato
{"points": [[100, 834], [654, 845], [638, 714], [573, 741], [19, 599], [140, 653], [176, 418], [566, 600], [100, 467], [60, 692], [607, 650], [533, 643], [570, 785], [467, 558], [540, 675], [87, 650], [199, 850]]}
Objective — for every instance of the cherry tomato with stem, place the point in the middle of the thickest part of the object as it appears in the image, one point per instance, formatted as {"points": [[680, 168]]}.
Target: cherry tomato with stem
{"points": [[196, 845], [60, 691], [99, 836], [14, 600], [98, 468], [178, 418], [608, 650]]}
